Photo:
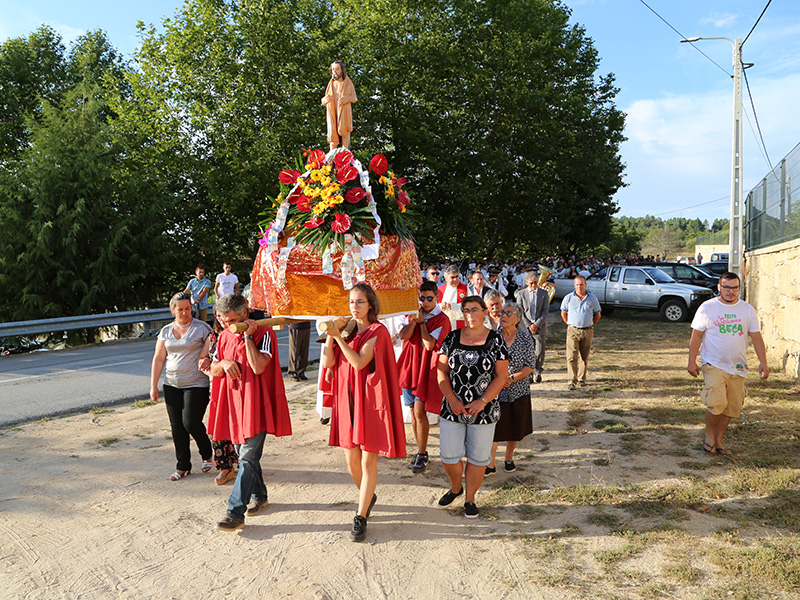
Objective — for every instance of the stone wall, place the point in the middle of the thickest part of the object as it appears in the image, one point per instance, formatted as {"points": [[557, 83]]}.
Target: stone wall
{"points": [[772, 286]]}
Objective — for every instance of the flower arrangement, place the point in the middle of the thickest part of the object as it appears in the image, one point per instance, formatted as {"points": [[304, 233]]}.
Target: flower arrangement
{"points": [[333, 197]]}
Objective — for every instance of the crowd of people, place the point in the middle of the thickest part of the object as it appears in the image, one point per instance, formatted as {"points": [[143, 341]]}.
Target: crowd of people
{"points": [[469, 355]]}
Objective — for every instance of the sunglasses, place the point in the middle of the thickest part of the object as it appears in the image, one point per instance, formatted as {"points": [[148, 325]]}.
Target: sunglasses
{"points": [[428, 298], [433, 272]]}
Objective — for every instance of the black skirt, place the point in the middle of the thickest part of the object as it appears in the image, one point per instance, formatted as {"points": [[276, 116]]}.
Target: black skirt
{"points": [[516, 420]]}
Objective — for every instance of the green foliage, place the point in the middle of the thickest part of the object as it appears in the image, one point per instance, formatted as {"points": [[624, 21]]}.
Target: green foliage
{"points": [[77, 238], [492, 110]]}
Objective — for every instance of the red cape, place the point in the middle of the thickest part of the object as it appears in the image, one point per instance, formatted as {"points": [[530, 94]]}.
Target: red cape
{"points": [[418, 367], [241, 408], [377, 415]]}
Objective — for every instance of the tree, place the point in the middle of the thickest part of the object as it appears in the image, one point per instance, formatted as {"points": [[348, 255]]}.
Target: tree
{"points": [[665, 242], [492, 109], [77, 239]]}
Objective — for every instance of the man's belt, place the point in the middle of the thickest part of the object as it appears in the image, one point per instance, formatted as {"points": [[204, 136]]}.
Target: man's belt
{"points": [[575, 327]]}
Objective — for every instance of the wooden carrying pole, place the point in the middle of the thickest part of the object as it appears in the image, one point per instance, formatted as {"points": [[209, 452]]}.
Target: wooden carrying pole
{"points": [[275, 321]]}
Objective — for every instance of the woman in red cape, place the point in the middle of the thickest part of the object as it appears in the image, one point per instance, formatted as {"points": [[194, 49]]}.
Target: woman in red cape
{"points": [[367, 418]]}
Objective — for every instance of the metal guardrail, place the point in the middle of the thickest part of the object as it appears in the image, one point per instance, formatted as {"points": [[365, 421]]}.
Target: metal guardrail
{"points": [[84, 322]]}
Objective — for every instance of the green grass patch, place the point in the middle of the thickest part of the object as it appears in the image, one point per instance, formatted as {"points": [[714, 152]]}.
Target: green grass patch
{"points": [[99, 410], [526, 512], [631, 443], [611, 426], [143, 403], [682, 572], [694, 465], [777, 561], [106, 442], [603, 519], [42, 421]]}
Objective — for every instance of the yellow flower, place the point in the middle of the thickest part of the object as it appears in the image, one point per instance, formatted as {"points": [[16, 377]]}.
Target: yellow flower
{"points": [[326, 181], [316, 175], [382, 180], [390, 191], [391, 175], [301, 183], [402, 208], [327, 169], [338, 199], [334, 187]]}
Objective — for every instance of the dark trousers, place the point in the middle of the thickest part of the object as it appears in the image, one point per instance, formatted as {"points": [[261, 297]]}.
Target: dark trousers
{"points": [[299, 340], [186, 408]]}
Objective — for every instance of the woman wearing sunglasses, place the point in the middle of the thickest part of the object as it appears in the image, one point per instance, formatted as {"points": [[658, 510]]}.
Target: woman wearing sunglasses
{"points": [[473, 366], [367, 418], [516, 420]]}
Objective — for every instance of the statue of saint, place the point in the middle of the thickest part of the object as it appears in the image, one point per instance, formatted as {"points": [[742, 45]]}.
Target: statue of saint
{"points": [[339, 96]]}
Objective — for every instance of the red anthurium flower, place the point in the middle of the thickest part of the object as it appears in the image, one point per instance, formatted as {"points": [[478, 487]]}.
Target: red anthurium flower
{"points": [[399, 182], [294, 197], [355, 195], [303, 204], [314, 222], [289, 177], [379, 165], [341, 223], [343, 159], [345, 174], [402, 198], [316, 158]]}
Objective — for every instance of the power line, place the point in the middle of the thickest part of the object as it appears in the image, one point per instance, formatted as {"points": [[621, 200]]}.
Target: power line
{"points": [[757, 20], [755, 116], [726, 198], [683, 37]]}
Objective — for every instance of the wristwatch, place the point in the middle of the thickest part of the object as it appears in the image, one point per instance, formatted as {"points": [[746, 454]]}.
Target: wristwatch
{"points": [[248, 337]]}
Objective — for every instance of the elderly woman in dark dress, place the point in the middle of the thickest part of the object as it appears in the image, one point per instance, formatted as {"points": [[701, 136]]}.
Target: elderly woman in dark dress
{"points": [[516, 420]]}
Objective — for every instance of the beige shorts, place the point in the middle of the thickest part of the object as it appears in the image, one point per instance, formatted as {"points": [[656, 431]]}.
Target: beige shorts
{"points": [[723, 393]]}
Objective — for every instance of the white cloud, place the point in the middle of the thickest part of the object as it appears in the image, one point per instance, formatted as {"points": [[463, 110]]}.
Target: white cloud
{"points": [[678, 152], [720, 19], [68, 34]]}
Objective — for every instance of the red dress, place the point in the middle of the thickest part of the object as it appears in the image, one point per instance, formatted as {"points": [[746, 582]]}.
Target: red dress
{"points": [[243, 407], [419, 367], [366, 404]]}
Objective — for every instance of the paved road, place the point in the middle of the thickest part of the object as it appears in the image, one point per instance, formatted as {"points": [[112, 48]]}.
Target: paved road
{"points": [[40, 384]]}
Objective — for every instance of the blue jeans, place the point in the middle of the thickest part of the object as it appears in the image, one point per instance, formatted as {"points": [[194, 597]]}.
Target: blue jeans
{"points": [[249, 484]]}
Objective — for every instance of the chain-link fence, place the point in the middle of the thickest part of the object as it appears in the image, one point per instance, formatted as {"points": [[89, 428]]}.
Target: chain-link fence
{"points": [[713, 239], [773, 207]]}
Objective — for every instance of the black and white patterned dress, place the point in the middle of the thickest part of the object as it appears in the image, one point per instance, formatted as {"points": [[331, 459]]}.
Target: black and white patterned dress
{"points": [[472, 369], [521, 354]]}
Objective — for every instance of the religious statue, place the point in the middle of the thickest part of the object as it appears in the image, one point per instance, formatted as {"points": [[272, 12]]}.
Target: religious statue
{"points": [[339, 96]]}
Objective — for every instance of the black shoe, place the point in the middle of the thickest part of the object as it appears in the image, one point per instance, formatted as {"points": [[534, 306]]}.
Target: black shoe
{"points": [[302, 378], [448, 498], [229, 524], [490, 471], [420, 463], [325, 420], [295, 378], [538, 378], [359, 530], [470, 510], [256, 507], [510, 466], [371, 504]]}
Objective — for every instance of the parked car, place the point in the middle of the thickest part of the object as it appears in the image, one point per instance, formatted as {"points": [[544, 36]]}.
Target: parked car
{"points": [[643, 288], [720, 256], [686, 274], [19, 345], [716, 267]]}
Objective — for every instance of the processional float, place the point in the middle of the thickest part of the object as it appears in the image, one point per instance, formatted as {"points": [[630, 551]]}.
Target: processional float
{"points": [[335, 223]]}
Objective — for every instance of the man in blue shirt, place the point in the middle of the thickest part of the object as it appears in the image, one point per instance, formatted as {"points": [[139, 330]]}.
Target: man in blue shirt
{"points": [[580, 310], [198, 287]]}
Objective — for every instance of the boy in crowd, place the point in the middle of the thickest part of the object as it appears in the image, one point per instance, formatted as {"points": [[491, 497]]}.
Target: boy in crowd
{"points": [[422, 336]]}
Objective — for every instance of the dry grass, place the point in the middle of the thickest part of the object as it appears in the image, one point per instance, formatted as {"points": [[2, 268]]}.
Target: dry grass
{"points": [[635, 459]]}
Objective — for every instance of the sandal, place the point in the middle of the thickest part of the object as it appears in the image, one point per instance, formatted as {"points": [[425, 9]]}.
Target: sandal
{"points": [[207, 466], [709, 448], [724, 452], [179, 475], [223, 477]]}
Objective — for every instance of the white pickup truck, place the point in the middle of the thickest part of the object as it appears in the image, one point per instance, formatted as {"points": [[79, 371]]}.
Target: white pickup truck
{"points": [[644, 288]]}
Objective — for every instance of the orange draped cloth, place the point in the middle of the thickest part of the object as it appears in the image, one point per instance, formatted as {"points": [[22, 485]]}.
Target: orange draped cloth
{"points": [[340, 111], [307, 292]]}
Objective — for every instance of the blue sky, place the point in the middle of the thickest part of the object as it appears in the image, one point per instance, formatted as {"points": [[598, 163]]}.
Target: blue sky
{"points": [[679, 104]]}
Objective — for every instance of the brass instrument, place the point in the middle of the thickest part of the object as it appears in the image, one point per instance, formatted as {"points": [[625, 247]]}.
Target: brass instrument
{"points": [[544, 275]]}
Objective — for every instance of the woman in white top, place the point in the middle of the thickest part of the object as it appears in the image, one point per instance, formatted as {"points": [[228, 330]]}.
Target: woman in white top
{"points": [[183, 346]]}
